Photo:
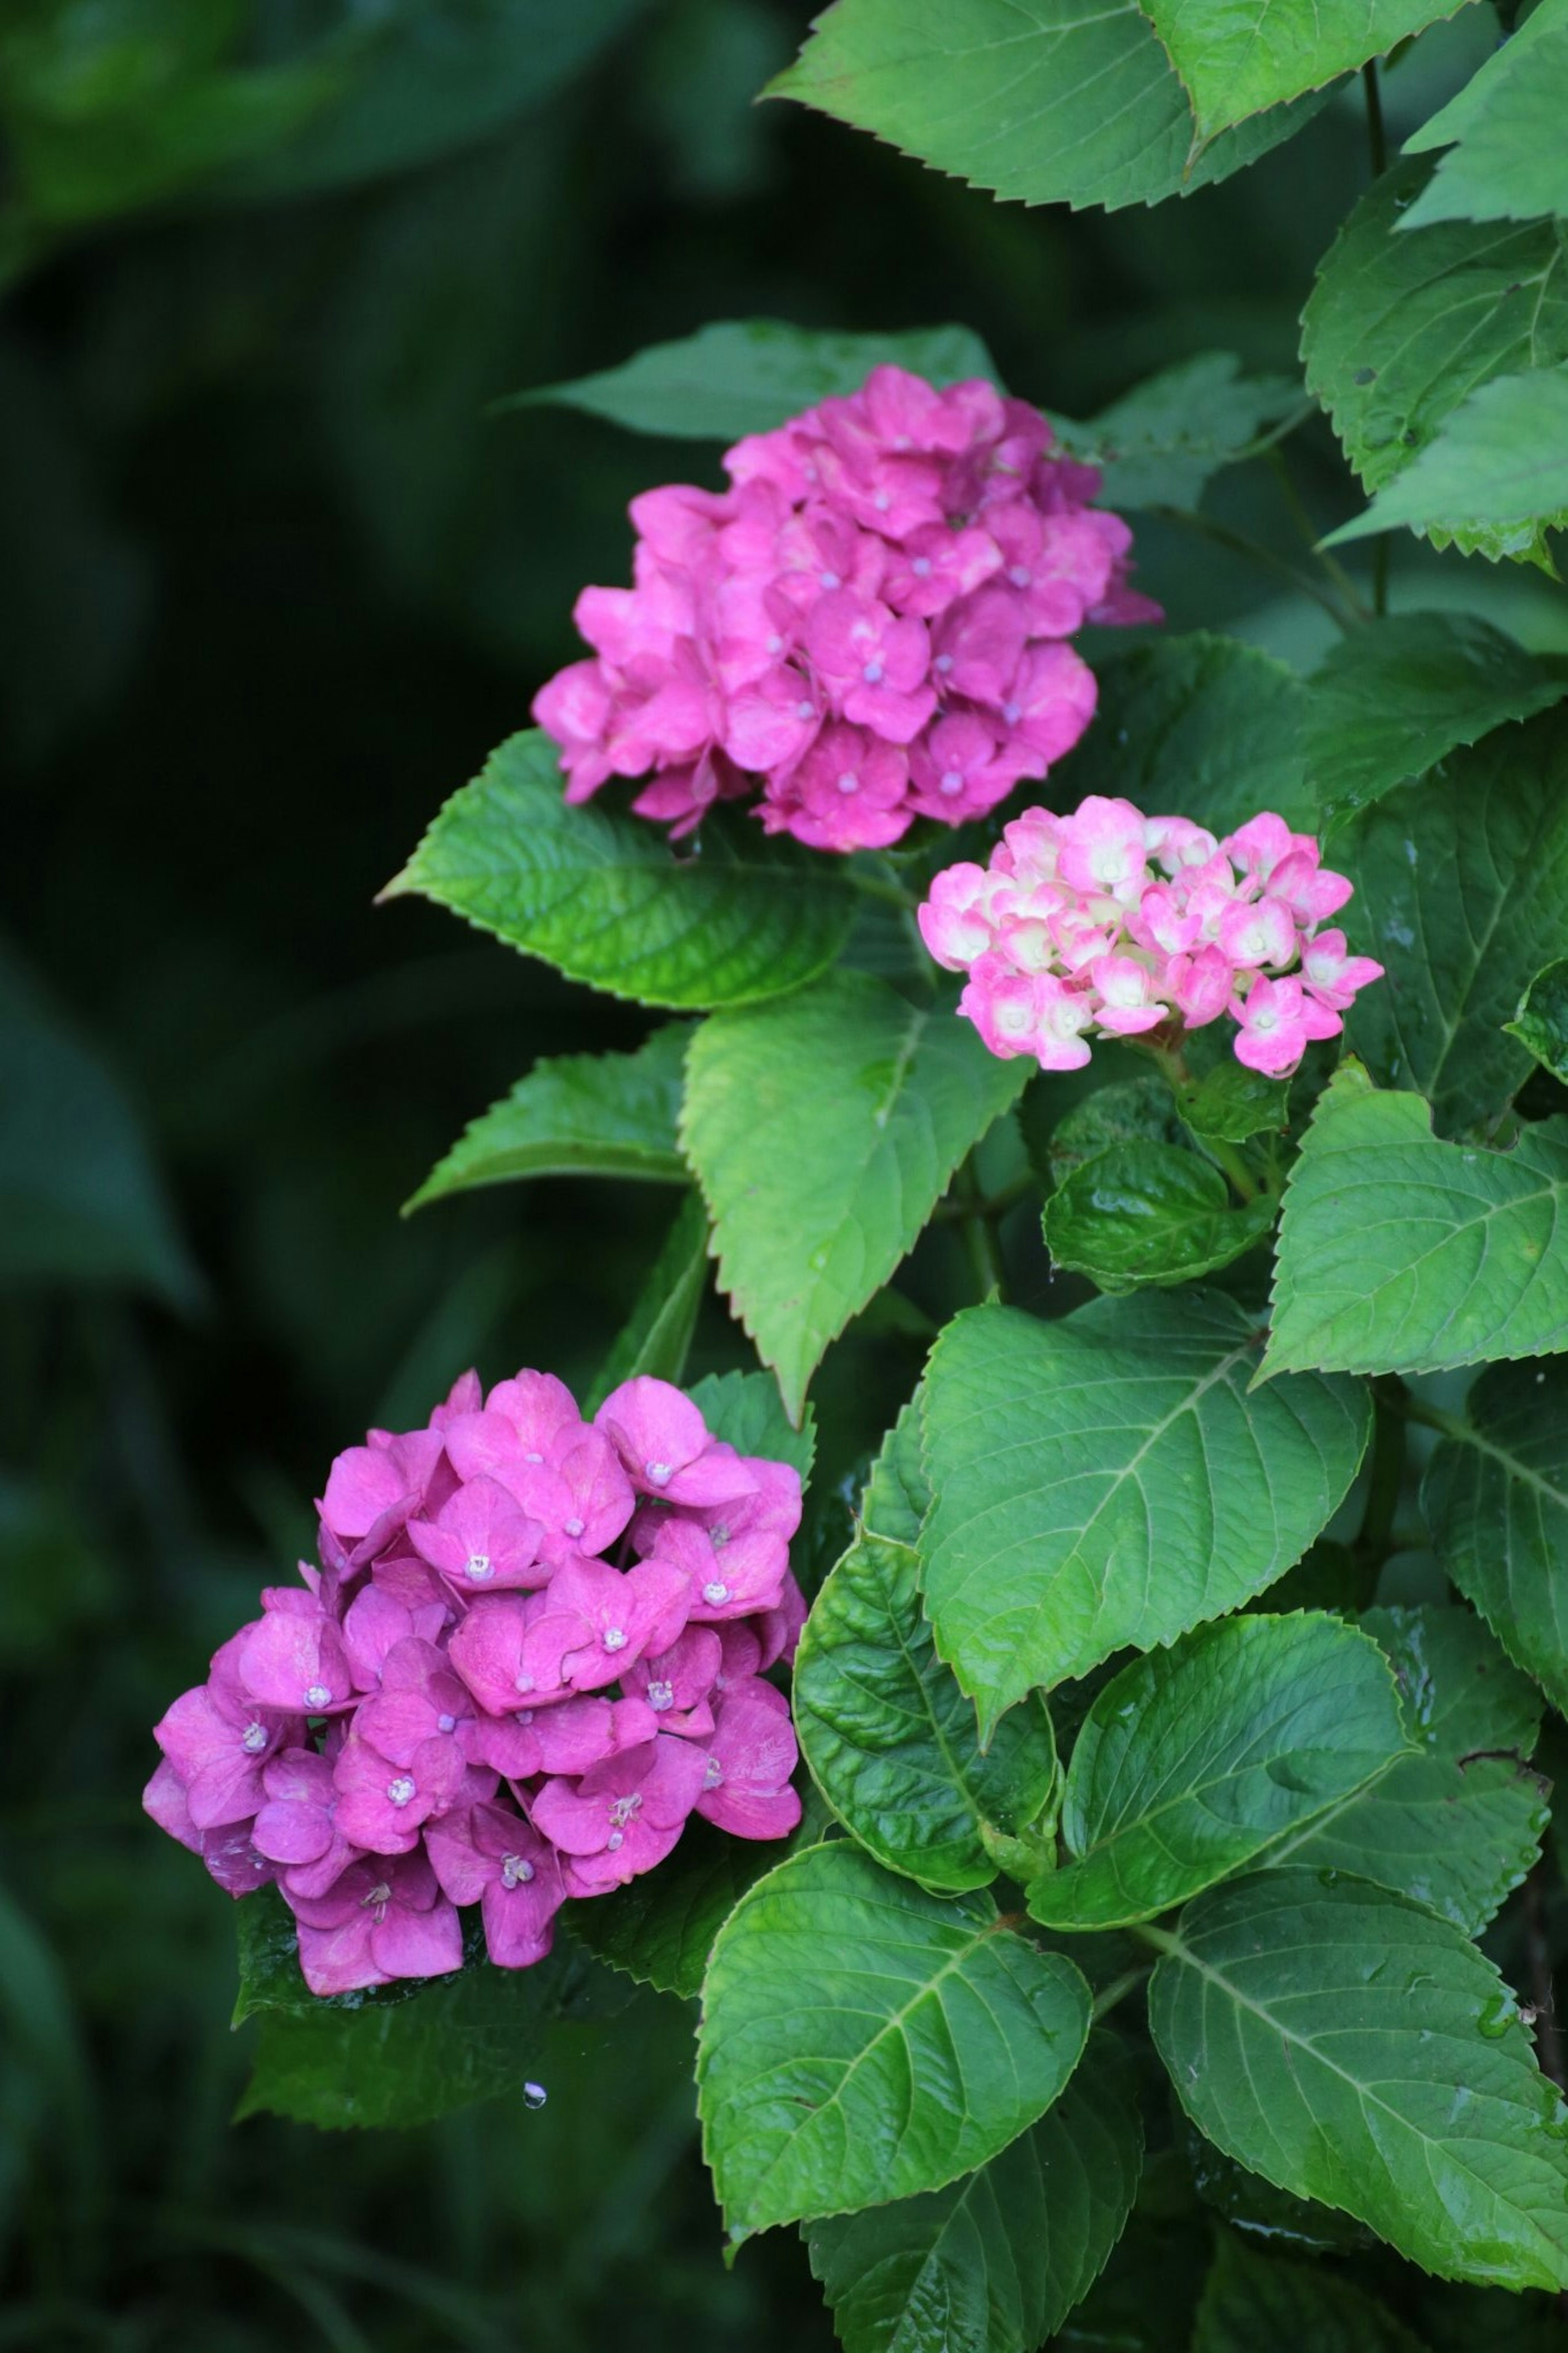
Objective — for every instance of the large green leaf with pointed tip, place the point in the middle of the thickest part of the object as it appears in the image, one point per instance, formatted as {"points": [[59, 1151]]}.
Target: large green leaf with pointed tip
{"points": [[862, 2041], [1239, 56], [1110, 1478], [1252, 2299], [1496, 1499], [1352, 2048], [1509, 162]]}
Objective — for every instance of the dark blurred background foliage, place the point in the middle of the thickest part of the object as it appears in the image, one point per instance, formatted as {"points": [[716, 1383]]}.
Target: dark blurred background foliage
{"points": [[270, 586]]}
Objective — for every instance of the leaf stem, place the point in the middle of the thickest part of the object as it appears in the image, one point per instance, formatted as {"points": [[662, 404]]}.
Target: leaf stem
{"points": [[1254, 550], [1377, 136], [1231, 1158], [1310, 536], [979, 1233], [1106, 1999]]}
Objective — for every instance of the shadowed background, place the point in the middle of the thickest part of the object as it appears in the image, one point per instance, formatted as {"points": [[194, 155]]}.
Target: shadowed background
{"points": [[270, 586]]}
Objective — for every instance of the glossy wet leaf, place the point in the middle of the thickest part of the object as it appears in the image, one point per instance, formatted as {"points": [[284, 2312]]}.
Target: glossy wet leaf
{"points": [[1252, 2299], [862, 2041], [1054, 101], [1402, 326], [1236, 58], [1393, 699], [1109, 1478], [891, 1741], [1193, 1762], [1495, 1496], [576, 1114], [808, 1224], [1540, 1024], [1503, 132], [1230, 1103], [746, 376], [1199, 726], [604, 899], [1461, 892], [1456, 1826], [996, 2261], [1352, 2048], [1150, 1213], [1400, 1253]]}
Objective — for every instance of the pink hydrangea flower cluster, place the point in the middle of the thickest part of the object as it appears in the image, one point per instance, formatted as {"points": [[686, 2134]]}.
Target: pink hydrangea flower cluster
{"points": [[534, 1647], [1112, 922], [868, 624]]}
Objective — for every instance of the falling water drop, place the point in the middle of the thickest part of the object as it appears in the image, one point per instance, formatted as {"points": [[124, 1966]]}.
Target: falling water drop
{"points": [[534, 2096]]}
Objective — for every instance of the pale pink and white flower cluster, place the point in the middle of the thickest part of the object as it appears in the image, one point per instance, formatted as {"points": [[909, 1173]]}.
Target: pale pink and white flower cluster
{"points": [[1107, 922], [867, 626], [535, 1647]]}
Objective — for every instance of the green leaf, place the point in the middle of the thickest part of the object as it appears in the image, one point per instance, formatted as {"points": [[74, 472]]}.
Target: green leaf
{"points": [[1163, 442], [1457, 1826], [996, 2261], [576, 1114], [1201, 727], [746, 1410], [891, 1741], [1127, 1110], [862, 2041], [1251, 2300], [1355, 2049], [80, 1198], [1401, 328], [810, 1220], [1109, 1478], [1230, 1103], [1237, 56], [605, 900], [1060, 103], [747, 375], [656, 1335], [1395, 697], [1398, 1253], [1509, 163], [1150, 1213], [1193, 1761], [897, 1494], [1461, 892], [1540, 1024], [1496, 469], [660, 1928], [474, 2035], [1495, 1496]]}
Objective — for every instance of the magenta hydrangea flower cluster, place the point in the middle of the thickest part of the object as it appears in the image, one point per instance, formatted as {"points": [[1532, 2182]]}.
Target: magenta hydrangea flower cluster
{"points": [[867, 626], [1110, 922], [535, 1647]]}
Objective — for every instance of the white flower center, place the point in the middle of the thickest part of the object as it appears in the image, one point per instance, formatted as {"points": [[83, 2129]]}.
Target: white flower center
{"points": [[400, 1789], [713, 1773], [656, 1473], [614, 1638], [516, 1871], [622, 1810], [478, 1565], [253, 1739], [318, 1695], [715, 1594], [661, 1695]]}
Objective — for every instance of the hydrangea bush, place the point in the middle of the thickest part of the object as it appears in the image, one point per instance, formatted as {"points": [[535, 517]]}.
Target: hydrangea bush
{"points": [[1139, 1779]]}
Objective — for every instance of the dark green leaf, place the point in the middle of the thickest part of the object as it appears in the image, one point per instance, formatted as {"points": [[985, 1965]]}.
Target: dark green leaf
{"points": [[890, 1739], [1457, 1826], [660, 1928], [1127, 1110], [810, 1220], [998, 2260], [1163, 442], [1461, 885], [579, 1114], [746, 1410], [862, 2041], [1395, 697], [1355, 2049], [1237, 56], [1496, 469], [1402, 328], [1398, 1253], [1192, 1762], [747, 375], [1510, 163], [605, 900], [657, 1333], [1230, 1103], [1062, 103], [1200, 726], [1496, 1499], [1149, 1213], [1109, 1478], [1541, 1023], [1254, 2300]]}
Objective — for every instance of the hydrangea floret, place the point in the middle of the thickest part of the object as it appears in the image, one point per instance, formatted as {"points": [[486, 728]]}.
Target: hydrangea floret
{"points": [[535, 1647], [1109, 923], [868, 626]]}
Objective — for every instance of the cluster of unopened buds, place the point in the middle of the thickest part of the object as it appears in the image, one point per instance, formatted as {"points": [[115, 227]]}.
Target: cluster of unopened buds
{"points": [[867, 626], [534, 1647], [1110, 922]]}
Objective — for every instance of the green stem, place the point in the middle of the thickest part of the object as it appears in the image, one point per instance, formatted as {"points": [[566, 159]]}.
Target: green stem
{"points": [[1237, 542], [1106, 1999], [1377, 136], [994, 1205], [877, 886], [1310, 535], [1233, 1160], [979, 1234]]}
